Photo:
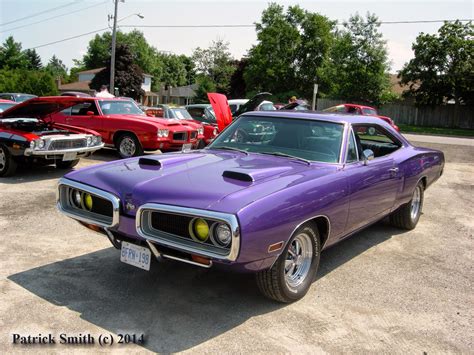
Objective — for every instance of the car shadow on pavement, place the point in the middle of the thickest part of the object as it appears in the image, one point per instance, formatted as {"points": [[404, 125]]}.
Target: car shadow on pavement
{"points": [[26, 174], [175, 305]]}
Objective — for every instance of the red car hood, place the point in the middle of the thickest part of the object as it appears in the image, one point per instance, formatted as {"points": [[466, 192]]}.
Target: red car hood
{"points": [[221, 109], [169, 123], [41, 107]]}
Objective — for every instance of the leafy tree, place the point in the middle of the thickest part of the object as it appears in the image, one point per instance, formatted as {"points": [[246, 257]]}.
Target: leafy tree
{"points": [[358, 67], [128, 75], [292, 47], [57, 68], [11, 55], [39, 83], [205, 85], [443, 66], [173, 70], [237, 81], [33, 60], [215, 62]]}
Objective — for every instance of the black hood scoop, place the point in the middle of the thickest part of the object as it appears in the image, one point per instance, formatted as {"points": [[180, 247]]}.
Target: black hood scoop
{"points": [[235, 175]]}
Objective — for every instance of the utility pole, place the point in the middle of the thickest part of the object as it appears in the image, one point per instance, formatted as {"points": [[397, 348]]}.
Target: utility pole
{"points": [[112, 55]]}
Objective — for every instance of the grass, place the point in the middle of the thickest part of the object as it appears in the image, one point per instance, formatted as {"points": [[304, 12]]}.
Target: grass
{"points": [[459, 132]]}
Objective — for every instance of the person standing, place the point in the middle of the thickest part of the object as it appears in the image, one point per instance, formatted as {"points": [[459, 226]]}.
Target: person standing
{"points": [[104, 93]]}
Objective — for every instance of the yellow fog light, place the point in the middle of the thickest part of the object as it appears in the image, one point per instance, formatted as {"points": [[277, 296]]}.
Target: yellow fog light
{"points": [[88, 201], [199, 229]]}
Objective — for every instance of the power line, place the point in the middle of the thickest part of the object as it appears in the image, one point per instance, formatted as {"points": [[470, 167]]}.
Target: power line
{"points": [[40, 13], [219, 26], [53, 17]]}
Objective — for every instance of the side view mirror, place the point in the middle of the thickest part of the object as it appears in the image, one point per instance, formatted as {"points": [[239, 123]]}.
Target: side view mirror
{"points": [[367, 155], [90, 113]]}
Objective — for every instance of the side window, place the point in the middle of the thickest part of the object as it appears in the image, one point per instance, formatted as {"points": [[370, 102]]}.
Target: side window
{"points": [[81, 109], [375, 138], [196, 113], [352, 155]]}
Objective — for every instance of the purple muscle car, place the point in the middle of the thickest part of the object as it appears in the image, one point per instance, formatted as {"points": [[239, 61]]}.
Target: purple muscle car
{"points": [[266, 203]]}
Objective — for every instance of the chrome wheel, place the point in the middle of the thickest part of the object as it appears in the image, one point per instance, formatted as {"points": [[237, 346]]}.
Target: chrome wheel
{"points": [[415, 203], [298, 260], [127, 147], [3, 159]]}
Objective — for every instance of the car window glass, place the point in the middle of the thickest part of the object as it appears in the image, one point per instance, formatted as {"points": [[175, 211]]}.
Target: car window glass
{"points": [[375, 138], [352, 150], [82, 109], [369, 111]]}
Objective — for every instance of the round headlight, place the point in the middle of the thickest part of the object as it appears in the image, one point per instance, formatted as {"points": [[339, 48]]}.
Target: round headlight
{"points": [[87, 199], [32, 145], [41, 144], [76, 198], [222, 235], [199, 229], [89, 140], [215, 131]]}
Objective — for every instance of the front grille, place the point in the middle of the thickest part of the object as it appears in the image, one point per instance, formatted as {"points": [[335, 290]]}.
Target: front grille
{"points": [[62, 144], [171, 223], [180, 136], [87, 204], [194, 134]]}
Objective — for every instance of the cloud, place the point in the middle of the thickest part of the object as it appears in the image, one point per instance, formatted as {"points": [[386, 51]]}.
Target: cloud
{"points": [[399, 53]]}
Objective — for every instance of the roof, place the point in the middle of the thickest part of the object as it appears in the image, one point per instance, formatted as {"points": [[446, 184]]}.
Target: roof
{"points": [[395, 85], [91, 71], [76, 86]]}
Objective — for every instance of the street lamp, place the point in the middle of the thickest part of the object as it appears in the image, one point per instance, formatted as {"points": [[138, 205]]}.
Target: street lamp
{"points": [[114, 40]]}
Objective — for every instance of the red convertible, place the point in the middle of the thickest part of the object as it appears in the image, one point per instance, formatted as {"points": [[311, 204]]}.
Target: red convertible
{"points": [[361, 110], [124, 126]]}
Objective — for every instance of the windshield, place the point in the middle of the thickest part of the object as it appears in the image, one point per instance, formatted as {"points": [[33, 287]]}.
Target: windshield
{"points": [[120, 107], [180, 113], [305, 139], [23, 97], [5, 106]]}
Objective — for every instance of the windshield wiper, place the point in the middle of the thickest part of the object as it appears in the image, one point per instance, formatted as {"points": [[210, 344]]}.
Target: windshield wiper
{"points": [[230, 148], [280, 154]]}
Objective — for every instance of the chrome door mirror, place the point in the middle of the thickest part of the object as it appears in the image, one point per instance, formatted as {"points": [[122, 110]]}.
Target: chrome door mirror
{"points": [[367, 155]]}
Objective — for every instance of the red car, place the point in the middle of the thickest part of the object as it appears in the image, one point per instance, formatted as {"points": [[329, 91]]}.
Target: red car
{"points": [[6, 104], [361, 110], [127, 128], [27, 136], [206, 132]]}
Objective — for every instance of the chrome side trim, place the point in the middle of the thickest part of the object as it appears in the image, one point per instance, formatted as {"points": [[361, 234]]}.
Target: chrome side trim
{"points": [[62, 205], [146, 231]]}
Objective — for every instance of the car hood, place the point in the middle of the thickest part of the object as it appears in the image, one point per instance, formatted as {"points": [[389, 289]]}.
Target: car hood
{"points": [[41, 107], [215, 180]]}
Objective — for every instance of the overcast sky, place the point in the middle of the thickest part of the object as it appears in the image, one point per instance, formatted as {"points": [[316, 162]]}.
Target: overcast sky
{"points": [[78, 20]]}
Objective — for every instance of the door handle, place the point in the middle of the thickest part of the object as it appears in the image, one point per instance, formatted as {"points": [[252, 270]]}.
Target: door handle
{"points": [[393, 170]]}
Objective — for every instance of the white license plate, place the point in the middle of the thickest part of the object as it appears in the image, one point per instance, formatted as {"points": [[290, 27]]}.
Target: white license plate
{"points": [[135, 255], [69, 156], [186, 147]]}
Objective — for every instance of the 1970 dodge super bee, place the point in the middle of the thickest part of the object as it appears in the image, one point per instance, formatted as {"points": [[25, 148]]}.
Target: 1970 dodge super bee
{"points": [[268, 205]]}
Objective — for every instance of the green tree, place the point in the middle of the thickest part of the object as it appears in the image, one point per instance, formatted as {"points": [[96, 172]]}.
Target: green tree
{"points": [[57, 68], [292, 47], [39, 83], [443, 66], [11, 55], [358, 66], [238, 87], [33, 60], [128, 75], [216, 63], [173, 70], [205, 85]]}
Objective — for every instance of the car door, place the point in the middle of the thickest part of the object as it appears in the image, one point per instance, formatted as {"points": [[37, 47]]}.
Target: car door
{"points": [[373, 184], [85, 115]]}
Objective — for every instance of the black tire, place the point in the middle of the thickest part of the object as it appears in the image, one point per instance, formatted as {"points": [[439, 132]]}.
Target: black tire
{"points": [[273, 282], [124, 144], [403, 216], [7, 164], [66, 164]]}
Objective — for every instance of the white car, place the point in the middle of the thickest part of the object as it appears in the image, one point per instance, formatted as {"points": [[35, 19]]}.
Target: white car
{"points": [[236, 103]]}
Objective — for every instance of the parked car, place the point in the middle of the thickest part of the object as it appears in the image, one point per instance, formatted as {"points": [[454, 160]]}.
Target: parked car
{"points": [[203, 113], [6, 104], [124, 126], [265, 105], [361, 110], [267, 207], [206, 132], [17, 97], [27, 135]]}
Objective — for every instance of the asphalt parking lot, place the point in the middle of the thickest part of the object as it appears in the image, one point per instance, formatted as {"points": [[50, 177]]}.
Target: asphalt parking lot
{"points": [[381, 290]]}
